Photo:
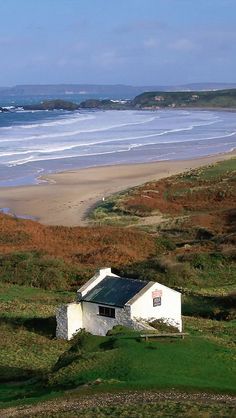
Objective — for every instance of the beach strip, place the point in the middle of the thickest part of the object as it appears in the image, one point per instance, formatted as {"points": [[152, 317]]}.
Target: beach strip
{"points": [[65, 198]]}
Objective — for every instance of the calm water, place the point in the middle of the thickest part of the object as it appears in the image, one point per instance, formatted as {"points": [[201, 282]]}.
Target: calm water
{"points": [[35, 143]]}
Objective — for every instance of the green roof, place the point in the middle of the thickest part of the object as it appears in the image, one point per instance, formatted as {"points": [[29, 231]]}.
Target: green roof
{"points": [[114, 291]]}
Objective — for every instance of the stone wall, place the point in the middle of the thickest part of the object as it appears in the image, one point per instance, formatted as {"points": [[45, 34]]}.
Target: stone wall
{"points": [[69, 320], [74, 316], [62, 322]]}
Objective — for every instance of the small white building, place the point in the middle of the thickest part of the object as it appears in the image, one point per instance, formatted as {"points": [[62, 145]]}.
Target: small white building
{"points": [[107, 300]]}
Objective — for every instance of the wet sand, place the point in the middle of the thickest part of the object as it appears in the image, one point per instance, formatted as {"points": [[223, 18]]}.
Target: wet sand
{"points": [[65, 198]]}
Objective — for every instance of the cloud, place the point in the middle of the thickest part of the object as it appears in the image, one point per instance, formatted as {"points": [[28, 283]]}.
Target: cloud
{"points": [[109, 59], [6, 40], [39, 59], [144, 25], [61, 62], [80, 46], [151, 43], [182, 45]]}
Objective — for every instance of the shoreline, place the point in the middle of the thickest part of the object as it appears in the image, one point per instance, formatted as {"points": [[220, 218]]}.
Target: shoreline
{"points": [[65, 198]]}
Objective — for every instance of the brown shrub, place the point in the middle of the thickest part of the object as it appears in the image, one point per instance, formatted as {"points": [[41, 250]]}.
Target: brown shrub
{"points": [[90, 246]]}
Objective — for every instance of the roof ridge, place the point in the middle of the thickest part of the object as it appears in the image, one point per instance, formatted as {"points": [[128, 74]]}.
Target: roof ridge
{"points": [[126, 278]]}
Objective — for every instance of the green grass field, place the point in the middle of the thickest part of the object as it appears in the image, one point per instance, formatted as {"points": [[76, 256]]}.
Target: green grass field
{"points": [[35, 366], [214, 171], [195, 363]]}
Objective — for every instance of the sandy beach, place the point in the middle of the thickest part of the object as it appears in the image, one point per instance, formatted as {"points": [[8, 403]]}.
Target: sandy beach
{"points": [[65, 198]]}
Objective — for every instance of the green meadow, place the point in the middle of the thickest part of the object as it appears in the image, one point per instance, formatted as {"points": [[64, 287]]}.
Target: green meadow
{"points": [[195, 259], [36, 366]]}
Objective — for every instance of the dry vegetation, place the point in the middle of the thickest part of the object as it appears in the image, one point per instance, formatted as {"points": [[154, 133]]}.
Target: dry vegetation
{"points": [[92, 247], [199, 193], [196, 237]]}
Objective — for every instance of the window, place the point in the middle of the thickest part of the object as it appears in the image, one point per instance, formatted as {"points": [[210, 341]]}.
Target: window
{"points": [[103, 311]]}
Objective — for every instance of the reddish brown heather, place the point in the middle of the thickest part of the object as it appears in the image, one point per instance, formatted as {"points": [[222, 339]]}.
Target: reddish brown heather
{"points": [[92, 246], [175, 196]]}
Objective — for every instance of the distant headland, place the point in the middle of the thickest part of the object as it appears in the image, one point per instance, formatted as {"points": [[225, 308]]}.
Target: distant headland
{"points": [[149, 100]]}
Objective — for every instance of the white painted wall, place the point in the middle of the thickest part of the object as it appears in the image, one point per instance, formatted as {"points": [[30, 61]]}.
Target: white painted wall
{"points": [[99, 325], [169, 311], [74, 316]]}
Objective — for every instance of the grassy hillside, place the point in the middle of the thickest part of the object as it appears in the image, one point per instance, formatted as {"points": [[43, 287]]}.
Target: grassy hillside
{"points": [[56, 104], [218, 98], [62, 258], [125, 361], [43, 367], [196, 236], [192, 249], [149, 100]]}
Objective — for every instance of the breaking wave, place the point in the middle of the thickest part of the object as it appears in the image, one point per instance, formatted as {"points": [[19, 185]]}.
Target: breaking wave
{"points": [[95, 138]]}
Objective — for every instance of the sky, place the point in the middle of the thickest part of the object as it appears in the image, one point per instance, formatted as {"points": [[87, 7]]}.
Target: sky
{"points": [[136, 42]]}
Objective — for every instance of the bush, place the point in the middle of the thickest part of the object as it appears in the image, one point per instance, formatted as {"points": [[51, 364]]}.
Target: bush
{"points": [[203, 261], [119, 330], [229, 252], [204, 234], [166, 243], [36, 270], [15, 237], [174, 268], [139, 209]]}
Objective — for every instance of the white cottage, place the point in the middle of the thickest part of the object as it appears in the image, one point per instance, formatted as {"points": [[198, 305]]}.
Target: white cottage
{"points": [[107, 300]]}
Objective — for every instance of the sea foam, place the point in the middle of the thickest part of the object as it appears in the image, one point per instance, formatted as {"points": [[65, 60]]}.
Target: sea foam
{"points": [[46, 140]]}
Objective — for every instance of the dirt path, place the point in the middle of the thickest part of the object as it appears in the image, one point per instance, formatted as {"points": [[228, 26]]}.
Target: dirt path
{"points": [[151, 220], [110, 399]]}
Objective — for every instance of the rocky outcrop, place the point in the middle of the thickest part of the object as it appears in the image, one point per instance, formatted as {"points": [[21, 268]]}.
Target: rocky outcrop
{"points": [[104, 104], [53, 105]]}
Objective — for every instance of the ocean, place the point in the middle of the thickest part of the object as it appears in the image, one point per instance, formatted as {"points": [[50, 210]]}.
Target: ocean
{"points": [[33, 143]]}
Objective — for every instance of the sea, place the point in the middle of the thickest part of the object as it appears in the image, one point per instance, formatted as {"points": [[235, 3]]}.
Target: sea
{"points": [[36, 143]]}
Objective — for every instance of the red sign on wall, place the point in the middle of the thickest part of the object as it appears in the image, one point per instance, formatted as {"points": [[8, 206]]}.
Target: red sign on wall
{"points": [[157, 294], [156, 297]]}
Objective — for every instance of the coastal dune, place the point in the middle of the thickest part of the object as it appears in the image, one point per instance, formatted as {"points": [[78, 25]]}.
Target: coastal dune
{"points": [[65, 198]]}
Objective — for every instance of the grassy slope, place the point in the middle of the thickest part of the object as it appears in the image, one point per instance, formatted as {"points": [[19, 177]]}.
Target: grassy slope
{"points": [[63, 258], [27, 343], [218, 98], [205, 271], [120, 362], [196, 243], [152, 99], [126, 362]]}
